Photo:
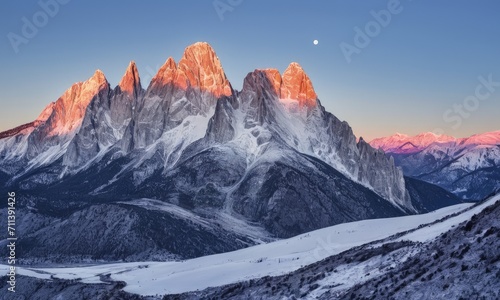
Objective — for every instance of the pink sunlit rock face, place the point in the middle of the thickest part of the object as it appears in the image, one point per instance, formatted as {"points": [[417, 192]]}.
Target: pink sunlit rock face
{"points": [[198, 68], [131, 83], [297, 85]]}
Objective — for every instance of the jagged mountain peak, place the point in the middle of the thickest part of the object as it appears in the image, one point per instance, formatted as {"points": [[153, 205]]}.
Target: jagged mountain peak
{"points": [[294, 67], [293, 84], [80, 94], [83, 92], [64, 116], [131, 82], [59, 122], [271, 77], [98, 77], [165, 75], [200, 67], [199, 49], [73, 102], [45, 114], [298, 86], [191, 87]]}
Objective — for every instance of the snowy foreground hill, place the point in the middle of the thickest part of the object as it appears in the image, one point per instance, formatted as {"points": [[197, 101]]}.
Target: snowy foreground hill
{"points": [[449, 253]]}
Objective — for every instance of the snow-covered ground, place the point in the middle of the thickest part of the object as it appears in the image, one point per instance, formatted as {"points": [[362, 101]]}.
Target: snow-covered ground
{"points": [[151, 278]]}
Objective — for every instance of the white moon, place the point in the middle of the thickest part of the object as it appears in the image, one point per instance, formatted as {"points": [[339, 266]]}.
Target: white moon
{"points": [[315, 42]]}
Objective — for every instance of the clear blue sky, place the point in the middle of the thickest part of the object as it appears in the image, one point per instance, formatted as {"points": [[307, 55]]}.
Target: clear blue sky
{"points": [[425, 60]]}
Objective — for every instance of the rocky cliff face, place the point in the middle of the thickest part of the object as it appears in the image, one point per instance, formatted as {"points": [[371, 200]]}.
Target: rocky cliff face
{"points": [[382, 174], [177, 92], [303, 124], [46, 140], [106, 120], [296, 85]]}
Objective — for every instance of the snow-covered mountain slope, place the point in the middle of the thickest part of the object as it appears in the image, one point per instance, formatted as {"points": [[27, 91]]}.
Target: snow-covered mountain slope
{"points": [[139, 230], [437, 261], [304, 125], [285, 256], [468, 167]]}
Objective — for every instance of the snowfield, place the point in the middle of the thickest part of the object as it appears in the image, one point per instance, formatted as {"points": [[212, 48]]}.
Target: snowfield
{"points": [[275, 258]]}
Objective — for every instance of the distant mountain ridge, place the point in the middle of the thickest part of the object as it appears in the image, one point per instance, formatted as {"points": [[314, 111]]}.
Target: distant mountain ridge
{"points": [[398, 141], [468, 167]]}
